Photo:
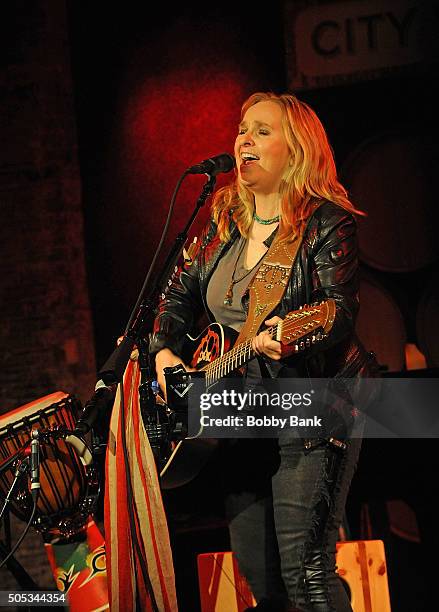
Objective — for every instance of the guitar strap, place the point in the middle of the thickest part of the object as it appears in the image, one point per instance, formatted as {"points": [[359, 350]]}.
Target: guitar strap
{"points": [[269, 283]]}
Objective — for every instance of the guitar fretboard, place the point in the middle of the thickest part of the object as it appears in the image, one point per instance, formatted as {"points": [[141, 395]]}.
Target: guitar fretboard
{"points": [[232, 360], [296, 325]]}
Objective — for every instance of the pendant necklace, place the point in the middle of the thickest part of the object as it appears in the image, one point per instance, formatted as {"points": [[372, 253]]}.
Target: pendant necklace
{"points": [[261, 221], [228, 298]]}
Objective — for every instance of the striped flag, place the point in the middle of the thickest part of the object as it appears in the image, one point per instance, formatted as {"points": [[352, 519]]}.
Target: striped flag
{"points": [[126, 582]]}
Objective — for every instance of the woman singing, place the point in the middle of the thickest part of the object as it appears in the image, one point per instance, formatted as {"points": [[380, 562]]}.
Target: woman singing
{"points": [[284, 498]]}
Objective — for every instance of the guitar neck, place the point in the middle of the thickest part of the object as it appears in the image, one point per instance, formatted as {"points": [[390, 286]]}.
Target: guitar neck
{"points": [[301, 327], [234, 359]]}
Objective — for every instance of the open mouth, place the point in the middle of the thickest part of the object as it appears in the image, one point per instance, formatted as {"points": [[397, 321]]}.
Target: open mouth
{"points": [[248, 158]]}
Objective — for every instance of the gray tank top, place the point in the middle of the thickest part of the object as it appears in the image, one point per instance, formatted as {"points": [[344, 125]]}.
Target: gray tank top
{"points": [[234, 315]]}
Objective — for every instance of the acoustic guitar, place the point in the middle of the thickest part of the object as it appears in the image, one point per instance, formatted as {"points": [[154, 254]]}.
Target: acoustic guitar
{"points": [[215, 354]]}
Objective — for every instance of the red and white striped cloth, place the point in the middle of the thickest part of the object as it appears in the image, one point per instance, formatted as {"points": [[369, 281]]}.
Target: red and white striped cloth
{"points": [[125, 580]]}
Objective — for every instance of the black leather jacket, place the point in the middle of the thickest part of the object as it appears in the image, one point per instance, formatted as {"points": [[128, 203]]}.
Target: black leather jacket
{"points": [[325, 267]]}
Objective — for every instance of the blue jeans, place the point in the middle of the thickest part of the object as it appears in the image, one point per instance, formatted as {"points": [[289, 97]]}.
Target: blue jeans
{"points": [[284, 522]]}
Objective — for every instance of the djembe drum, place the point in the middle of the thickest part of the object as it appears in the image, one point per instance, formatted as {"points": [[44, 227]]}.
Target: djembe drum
{"points": [[69, 483], [69, 488]]}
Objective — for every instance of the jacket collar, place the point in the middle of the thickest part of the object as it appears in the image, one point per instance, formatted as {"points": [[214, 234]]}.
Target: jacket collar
{"points": [[268, 241], [234, 232]]}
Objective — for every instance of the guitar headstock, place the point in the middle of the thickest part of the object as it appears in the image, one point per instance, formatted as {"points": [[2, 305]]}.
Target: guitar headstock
{"points": [[308, 325]]}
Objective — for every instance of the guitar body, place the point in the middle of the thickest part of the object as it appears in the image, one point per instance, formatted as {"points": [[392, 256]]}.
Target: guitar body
{"points": [[216, 353], [213, 342], [189, 456]]}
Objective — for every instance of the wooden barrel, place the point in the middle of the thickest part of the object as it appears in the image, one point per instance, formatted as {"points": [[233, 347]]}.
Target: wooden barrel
{"points": [[427, 325], [391, 179], [380, 325]]}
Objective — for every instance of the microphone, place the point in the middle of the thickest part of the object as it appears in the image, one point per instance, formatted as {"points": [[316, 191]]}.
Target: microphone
{"points": [[95, 408], [214, 165], [35, 464]]}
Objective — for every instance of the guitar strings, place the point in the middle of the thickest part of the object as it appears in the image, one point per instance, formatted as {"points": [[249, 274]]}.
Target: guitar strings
{"points": [[219, 367], [240, 350]]}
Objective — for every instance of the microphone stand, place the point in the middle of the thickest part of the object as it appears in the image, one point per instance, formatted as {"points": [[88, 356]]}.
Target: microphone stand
{"points": [[141, 320], [135, 334]]}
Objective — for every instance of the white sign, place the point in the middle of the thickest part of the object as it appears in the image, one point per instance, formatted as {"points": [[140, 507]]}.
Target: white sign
{"points": [[340, 42]]}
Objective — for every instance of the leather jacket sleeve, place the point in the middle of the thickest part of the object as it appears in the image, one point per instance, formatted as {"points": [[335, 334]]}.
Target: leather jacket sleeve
{"points": [[180, 306], [334, 265]]}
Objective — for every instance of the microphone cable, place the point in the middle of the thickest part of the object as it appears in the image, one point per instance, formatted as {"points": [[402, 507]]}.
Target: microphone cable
{"points": [[132, 520], [133, 530], [158, 249], [23, 535]]}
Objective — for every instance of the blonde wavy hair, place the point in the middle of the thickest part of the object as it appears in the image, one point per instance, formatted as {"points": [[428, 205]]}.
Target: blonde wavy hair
{"points": [[311, 178]]}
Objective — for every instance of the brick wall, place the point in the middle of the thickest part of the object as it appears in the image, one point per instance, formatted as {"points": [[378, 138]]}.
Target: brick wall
{"points": [[46, 334]]}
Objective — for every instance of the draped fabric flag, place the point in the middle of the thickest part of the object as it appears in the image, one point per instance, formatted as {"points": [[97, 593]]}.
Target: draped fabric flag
{"points": [[127, 589]]}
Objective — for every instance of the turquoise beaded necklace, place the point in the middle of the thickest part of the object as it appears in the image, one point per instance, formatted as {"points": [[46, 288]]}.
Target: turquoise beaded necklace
{"points": [[259, 219]]}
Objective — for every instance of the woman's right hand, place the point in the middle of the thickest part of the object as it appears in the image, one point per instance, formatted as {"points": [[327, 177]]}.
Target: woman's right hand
{"points": [[165, 359]]}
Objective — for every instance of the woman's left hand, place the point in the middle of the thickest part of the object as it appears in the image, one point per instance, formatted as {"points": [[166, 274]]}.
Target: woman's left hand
{"points": [[264, 343]]}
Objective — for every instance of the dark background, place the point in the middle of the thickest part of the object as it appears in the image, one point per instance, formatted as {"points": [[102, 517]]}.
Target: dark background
{"points": [[103, 108]]}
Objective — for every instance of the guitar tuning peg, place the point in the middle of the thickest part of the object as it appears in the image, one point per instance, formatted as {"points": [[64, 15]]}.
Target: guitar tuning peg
{"points": [[308, 342], [313, 338], [296, 348], [300, 307], [302, 345]]}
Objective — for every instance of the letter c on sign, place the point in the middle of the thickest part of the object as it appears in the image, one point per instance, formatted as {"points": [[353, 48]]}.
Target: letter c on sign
{"points": [[318, 33]]}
